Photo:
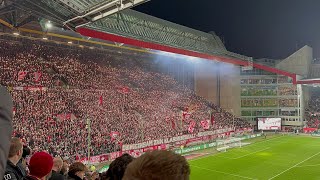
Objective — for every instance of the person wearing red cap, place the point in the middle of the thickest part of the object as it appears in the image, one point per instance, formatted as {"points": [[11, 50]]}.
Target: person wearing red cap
{"points": [[40, 166]]}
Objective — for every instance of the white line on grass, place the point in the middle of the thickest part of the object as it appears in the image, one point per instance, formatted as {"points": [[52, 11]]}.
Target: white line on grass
{"points": [[251, 153], [294, 166], [235, 175], [309, 165]]}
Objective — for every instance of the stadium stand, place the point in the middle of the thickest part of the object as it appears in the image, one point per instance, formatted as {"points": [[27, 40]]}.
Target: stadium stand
{"points": [[56, 90], [312, 113]]}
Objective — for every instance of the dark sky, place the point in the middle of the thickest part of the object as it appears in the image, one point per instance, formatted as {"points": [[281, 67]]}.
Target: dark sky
{"points": [[258, 28]]}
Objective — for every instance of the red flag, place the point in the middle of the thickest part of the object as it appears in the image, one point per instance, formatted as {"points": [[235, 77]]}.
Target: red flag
{"points": [[124, 90], [37, 76], [173, 124], [191, 126], [100, 100], [205, 124], [186, 115], [22, 75], [212, 119]]}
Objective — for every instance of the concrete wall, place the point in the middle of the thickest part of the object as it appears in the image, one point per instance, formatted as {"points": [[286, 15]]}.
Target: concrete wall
{"points": [[299, 62], [315, 71], [206, 84]]}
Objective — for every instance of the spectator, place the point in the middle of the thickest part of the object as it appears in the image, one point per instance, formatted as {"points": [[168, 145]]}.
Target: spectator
{"points": [[57, 167], [22, 164], [15, 153], [77, 171], [158, 165], [40, 166], [118, 166], [5, 127], [65, 168]]}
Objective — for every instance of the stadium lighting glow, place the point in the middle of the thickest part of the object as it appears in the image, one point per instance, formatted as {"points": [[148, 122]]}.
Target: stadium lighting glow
{"points": [[16, 33], [81, 46], [70, 42], [45, 38], [91, 47], [49, 25]]}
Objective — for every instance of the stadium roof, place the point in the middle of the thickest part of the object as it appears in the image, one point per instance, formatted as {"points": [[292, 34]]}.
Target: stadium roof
{"points": [[309, 81], [113, 21]]}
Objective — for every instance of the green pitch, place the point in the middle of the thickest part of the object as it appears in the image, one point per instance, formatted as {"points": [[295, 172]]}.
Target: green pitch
{"points": [[282, 157]]}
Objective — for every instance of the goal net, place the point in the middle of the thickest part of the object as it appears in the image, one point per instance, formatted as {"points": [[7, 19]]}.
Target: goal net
{"points": [[224, 144]]}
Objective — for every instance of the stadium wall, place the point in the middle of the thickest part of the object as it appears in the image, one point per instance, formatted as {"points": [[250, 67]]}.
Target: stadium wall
{"points": [[299, 62], [315, 71]]}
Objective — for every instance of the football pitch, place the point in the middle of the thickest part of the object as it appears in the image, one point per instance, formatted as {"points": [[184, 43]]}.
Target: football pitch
{"points": [[278, 157]]}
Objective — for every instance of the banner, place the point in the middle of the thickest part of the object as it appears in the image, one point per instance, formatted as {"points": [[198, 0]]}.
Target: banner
{"points": [[115, 155], [30, 88], [205, 124], [207, 145], [309, 130], [22, 75], [191, 126], [173, 139]]}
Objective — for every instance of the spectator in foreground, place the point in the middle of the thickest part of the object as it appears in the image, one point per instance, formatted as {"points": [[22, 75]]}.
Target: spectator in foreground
{"points": [[5, 127], [22, 164], [65, 168], [158, 165], [40, 166], [118, 166], [57, 166], [13, 171], [77, 171]]}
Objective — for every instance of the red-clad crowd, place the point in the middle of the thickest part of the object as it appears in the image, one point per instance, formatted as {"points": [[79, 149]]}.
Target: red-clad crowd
{"points": [[61, 94], [312, 113]]}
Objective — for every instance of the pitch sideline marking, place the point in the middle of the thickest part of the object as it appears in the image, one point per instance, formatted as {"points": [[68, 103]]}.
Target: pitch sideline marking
{"points": [[312, 165], [294, 166], [251, 153], [244, 177]]}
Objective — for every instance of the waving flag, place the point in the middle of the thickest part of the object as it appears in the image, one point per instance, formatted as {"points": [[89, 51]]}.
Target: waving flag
{"points": [[191, 126], [205, 124], [22, 75]]}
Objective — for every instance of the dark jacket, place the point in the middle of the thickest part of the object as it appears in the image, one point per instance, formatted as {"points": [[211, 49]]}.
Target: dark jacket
{"points": [[29, 178], [5, 127], [23, 170], [12, 172], [56, 176], [73, 177]]}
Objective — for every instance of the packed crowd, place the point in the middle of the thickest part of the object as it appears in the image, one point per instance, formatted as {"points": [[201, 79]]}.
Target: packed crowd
{"points": [[60, 93], [312, 113]]}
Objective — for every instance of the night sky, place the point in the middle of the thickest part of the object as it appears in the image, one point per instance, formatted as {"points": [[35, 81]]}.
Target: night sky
{"points": [[257, 28]]}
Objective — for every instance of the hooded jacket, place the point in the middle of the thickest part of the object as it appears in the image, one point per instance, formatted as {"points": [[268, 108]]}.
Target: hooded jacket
{"points": [[5, 127]]}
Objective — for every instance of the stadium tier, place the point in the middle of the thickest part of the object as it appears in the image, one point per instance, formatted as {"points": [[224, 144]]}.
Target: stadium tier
{"points": [[56, 90]]}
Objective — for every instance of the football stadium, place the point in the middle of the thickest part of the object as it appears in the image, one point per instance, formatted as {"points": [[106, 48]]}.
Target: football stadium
{"points": [[93, 89]]}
